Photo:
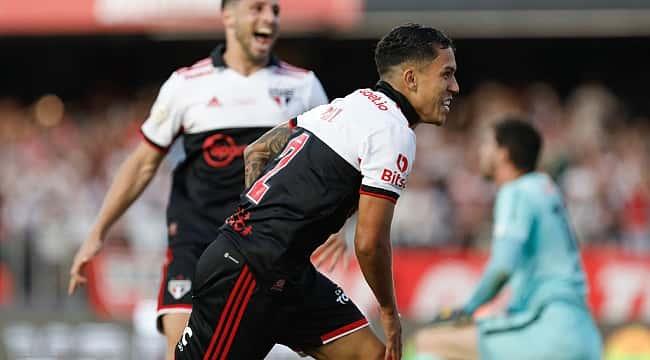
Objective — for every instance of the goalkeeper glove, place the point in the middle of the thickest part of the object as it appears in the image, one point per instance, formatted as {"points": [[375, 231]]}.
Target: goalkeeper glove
{"points": [[451, 316]]}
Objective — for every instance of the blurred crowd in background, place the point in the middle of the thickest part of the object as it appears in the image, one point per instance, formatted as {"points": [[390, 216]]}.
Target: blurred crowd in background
{"points": [[72, 99], [58, 159]]}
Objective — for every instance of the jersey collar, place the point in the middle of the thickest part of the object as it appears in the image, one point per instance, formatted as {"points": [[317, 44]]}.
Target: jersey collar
{"points": [[401, 101], [217, 57]]}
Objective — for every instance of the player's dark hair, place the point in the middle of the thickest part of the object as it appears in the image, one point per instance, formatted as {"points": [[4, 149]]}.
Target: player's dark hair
{"points": [[409, 42], [522, 141], [225, 3]]}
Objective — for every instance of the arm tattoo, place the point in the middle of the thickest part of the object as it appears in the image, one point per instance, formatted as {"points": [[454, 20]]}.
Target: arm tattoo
{"points": [[260, 152], [253, 167]]}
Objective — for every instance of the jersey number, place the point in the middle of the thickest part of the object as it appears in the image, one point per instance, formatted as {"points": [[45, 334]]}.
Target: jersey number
{"points": [[260, 187]]}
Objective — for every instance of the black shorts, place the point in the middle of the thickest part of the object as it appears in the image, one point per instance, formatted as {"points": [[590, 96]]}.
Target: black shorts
{"points": [[175, 294], [239, 315]]}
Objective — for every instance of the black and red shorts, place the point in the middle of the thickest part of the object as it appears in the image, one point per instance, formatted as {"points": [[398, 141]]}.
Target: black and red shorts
{"points": [[175, 293], [239, 314]]}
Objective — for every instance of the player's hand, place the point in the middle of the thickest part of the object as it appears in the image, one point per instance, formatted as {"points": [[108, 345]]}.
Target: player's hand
{"points": [[451, 316], [393, 330], [88, 250], [332, 250]]}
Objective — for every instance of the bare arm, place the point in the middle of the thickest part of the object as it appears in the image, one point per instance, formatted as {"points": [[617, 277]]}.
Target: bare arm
{"points": [[130, 181], [372, 246], [262, 150], [373, 249], [132, 178], [333, 249]]}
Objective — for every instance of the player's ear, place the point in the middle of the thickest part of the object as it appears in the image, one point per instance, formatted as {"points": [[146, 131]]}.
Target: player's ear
{"points": [[227, 16], [502, 154], [409, 77]]}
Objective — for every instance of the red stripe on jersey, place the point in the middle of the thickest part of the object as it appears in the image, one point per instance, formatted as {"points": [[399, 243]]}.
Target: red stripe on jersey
{"points": [[290, 67], [200, 68], [344, 329], [161, 291], [196, 65], [234, 329], [293, 123], [231, 316], [381, 196], [198, 74], [226, 309], [202, 62]]}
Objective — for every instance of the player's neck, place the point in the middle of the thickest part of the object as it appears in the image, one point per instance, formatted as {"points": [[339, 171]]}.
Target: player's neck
{"points": [[396, 94], [236, 59], [506, 173]]}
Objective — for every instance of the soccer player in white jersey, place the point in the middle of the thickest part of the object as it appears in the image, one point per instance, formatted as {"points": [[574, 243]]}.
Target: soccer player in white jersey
{"points": [[255, 284], [219, 105], [534, 250]]}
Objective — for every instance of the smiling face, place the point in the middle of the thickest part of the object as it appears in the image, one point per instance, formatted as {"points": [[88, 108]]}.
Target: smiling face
{"points": [[434, 87], [253, 24]]}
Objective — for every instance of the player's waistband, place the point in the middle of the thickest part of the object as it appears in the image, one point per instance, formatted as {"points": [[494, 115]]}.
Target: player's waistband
{"points": [[539, 301]]}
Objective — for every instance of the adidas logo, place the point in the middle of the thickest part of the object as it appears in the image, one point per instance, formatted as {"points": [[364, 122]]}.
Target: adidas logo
{"points": [[214, 102]]}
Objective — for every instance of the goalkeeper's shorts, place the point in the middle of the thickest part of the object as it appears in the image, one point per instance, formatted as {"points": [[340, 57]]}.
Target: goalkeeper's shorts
{"points": [[558, 331]]}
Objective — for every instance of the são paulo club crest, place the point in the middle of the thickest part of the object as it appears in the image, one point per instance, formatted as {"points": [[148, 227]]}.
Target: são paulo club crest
{"points": [[282, 96], [179, 287]]}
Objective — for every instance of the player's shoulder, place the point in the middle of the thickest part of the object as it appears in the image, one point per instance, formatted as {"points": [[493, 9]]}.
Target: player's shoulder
{"points": [[185, 79], [536, 183], [283, 69], [378, 111], [197, 70], [530, 187], [376, 102]]}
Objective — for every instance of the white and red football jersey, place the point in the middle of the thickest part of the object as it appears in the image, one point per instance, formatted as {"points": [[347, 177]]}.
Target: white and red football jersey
{"points": [[360, 144], [369, 131], [218, 112]]}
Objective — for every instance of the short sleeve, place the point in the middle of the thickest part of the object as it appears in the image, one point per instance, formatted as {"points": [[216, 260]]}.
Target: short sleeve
{"points": [[316, 94], [513, 215], [386, 158], [164, 123]]}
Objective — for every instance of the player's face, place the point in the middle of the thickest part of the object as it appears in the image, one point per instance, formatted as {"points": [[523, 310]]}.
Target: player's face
{"points": [[436, 86], [488, 154], [255, 25]]}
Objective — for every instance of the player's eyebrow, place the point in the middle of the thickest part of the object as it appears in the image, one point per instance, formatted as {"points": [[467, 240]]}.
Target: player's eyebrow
{"points": [[449, 68]]}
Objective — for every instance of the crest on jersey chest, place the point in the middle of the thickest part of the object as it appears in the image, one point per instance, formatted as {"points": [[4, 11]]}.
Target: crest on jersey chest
{"points": [[282, 96]]}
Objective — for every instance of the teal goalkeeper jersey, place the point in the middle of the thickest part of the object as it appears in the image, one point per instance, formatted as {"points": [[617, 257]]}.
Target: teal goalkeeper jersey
{"points": [[534, 248]]}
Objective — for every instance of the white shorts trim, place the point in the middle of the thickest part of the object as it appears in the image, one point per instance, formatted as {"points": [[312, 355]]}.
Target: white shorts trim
{"points": [[345, 333], [173, 311]]}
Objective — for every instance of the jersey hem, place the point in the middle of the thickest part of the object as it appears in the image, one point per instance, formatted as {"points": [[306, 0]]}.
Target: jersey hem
{"points": [[377, 192], [170, 309], [160, 148]]}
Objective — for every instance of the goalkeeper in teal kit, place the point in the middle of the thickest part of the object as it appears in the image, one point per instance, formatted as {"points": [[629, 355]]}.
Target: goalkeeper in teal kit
{"points": [[535, 252]]}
